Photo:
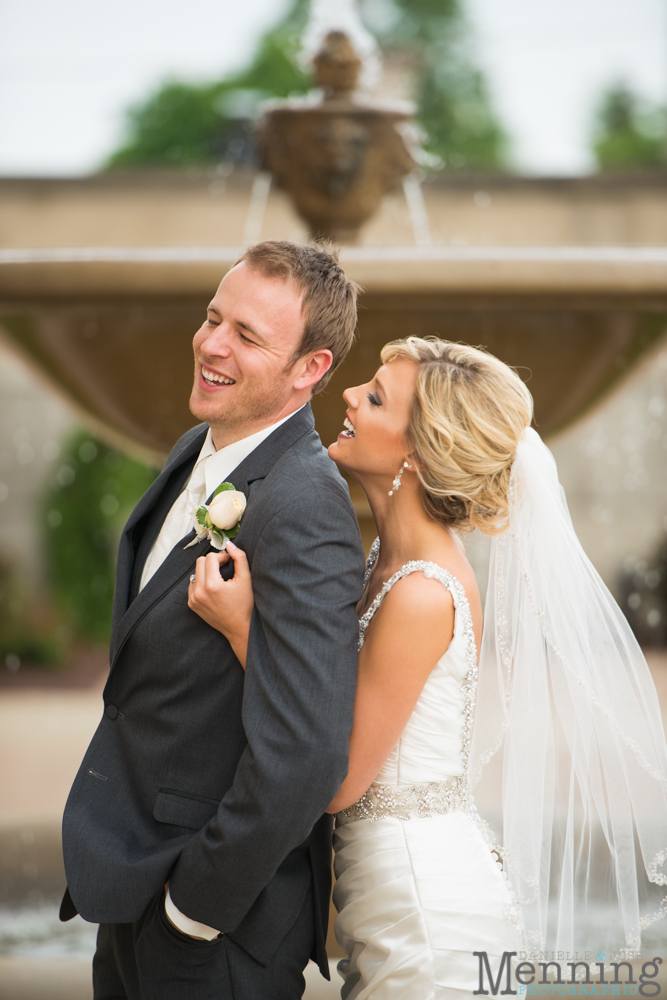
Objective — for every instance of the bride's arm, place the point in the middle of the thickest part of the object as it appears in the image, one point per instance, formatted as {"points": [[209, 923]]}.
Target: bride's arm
{"points": [[225, 604], [406, 638]]}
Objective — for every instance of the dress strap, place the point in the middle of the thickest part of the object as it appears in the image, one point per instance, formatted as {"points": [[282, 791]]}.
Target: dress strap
{"points": [[372, 559], [429, 569]]}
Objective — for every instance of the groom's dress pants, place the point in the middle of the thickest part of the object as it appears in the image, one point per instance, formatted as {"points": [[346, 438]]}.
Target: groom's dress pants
{"points": [[151, 960]]}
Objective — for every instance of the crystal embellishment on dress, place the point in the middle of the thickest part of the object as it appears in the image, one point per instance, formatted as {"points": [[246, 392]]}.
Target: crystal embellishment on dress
{"points": [[411, 801], [372, 559]]}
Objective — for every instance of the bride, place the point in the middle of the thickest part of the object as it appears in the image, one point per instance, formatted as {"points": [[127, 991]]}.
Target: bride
{"points": [[430, 904]]}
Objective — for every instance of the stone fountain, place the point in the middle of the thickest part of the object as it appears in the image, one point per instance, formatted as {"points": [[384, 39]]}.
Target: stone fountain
{"points": [[104, 280], [338, 158]]}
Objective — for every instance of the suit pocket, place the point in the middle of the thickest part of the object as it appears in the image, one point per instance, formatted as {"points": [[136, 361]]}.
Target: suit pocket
{"points": [[183, 809]]}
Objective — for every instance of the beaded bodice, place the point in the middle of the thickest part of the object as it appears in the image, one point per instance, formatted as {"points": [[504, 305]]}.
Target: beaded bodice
{"points": [[426, 772]]}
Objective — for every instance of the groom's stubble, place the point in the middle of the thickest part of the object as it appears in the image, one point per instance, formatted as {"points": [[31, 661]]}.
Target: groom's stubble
{"points": [[255, 403]]}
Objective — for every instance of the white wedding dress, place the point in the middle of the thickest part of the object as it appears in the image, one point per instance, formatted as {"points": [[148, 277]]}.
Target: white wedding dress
{"points": [[418, 888]]}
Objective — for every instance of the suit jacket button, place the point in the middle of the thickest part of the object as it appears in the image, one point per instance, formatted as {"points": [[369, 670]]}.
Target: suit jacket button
{"points": [[111, 712]]}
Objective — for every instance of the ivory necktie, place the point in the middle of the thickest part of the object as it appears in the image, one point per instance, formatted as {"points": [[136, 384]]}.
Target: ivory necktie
{"points": [[178, 521]]}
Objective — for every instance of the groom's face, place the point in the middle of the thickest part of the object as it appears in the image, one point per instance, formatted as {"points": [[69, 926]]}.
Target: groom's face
{"points": [[243, 354]]}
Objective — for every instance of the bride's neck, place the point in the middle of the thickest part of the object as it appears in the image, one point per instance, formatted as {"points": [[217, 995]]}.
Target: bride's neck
{"points": [[405, 529]]}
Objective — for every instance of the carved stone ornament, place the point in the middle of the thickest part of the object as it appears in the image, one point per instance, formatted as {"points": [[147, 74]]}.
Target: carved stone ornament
{"points": [[338, 158]]}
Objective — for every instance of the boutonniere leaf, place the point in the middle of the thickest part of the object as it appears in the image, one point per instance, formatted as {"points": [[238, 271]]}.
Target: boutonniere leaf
{"points": [[219, 520]]}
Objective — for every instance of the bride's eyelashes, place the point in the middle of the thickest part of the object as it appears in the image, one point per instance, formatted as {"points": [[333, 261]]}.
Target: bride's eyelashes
{"points": [[373, 399]]}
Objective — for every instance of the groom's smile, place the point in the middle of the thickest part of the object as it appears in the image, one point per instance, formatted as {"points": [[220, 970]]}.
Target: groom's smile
{"points": [[212, 379]]}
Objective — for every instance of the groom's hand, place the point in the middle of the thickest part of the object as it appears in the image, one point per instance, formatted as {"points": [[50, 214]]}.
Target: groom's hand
{"points": [[226, 605]]}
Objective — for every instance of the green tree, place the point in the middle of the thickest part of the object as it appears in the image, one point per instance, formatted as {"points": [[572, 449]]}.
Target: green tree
{"points": [[628, 134], [185, 123], [85, 508], [453, 103], [182, 123], [29, 629]]}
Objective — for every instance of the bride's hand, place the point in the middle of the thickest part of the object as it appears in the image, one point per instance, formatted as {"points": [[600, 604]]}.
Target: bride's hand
{"points": [[225, 604]]}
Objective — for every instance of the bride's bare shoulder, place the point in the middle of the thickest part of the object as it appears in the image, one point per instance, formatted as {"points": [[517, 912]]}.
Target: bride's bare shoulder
{"points": [[414, 624]]}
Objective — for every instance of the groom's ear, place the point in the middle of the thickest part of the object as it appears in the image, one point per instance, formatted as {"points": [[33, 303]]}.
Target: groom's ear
{"points": [[312, 367]]}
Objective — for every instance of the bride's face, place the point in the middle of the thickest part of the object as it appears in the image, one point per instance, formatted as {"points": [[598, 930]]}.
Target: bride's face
{"points": [[373, 442]]}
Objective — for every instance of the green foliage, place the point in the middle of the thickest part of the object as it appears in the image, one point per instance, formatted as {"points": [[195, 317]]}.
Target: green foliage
{"points": [[233, 532], [178, 125], [456, 116], [425, 21], [453, 104], [28, 630], [182, 124], [223, 488], [628, 135], [85, 508]]}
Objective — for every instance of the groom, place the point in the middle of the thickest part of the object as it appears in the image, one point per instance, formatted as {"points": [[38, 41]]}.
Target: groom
{"points": [[194, 832]]}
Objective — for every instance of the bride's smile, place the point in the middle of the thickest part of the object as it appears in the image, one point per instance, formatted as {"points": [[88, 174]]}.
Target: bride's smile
{"points": [[349, 428]]}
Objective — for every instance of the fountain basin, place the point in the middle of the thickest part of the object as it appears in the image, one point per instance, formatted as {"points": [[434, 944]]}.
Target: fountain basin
{"points": [[112, 327]]}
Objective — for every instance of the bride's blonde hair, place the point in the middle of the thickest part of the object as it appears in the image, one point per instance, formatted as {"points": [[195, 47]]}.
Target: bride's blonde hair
{"points": [[467, 417]]}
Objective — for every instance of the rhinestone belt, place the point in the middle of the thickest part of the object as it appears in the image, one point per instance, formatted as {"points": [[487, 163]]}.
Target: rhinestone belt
{"points": [[409, 801]]}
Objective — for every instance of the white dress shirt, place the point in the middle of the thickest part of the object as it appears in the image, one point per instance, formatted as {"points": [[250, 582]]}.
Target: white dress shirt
{"points": [[211, 468]]}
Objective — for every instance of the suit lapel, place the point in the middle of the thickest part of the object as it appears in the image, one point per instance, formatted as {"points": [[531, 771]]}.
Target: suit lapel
{"points": [[165, 488], [181, 560]]}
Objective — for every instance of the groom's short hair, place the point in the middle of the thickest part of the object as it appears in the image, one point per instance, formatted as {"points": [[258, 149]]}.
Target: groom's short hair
{"points": [[329, 304]]}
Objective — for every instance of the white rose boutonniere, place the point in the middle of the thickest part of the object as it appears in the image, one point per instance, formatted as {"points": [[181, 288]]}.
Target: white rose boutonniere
{"points": [[219, 520]]}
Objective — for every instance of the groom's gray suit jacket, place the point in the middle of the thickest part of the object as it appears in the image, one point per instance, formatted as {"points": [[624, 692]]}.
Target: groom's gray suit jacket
{"points": [[200, 773]]}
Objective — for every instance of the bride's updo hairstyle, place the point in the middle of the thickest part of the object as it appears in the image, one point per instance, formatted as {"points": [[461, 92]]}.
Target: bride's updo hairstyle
{"points": [[468, 415]]}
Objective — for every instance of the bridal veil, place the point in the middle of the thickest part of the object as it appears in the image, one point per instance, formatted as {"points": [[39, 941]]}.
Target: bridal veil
{"points": [[568, 740]]}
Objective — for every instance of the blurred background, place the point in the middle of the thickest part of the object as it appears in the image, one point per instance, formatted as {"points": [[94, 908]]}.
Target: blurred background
{"points": [[495, 173]]}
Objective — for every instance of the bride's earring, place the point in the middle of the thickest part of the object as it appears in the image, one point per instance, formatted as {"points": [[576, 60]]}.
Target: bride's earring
{"points": [[397, 481]]}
